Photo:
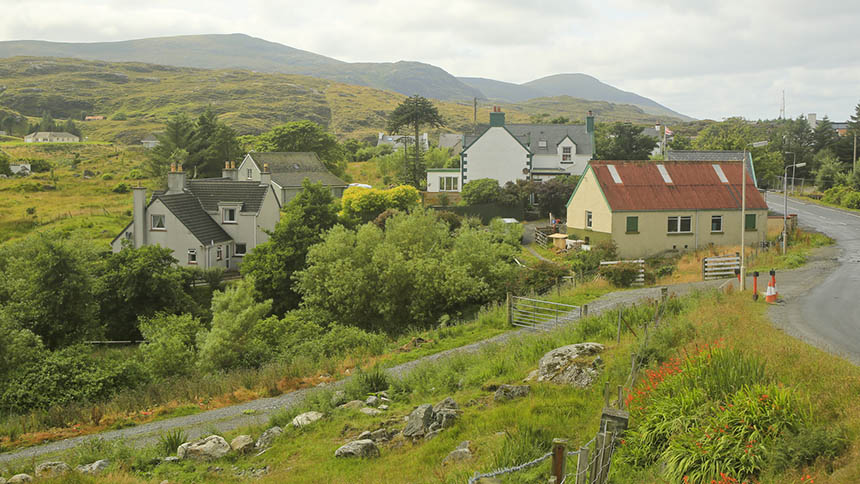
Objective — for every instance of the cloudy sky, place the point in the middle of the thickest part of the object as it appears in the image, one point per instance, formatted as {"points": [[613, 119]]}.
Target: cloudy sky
{"points": [[706, 59]]}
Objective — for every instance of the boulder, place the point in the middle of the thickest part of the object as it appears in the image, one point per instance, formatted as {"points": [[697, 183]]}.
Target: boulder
{"points": [[171, 458], [52, 469], [380, 435], [432, 434], [372, 400], [447, 404], [338, 398], [364, 448], [268, 437], [3, 479], [95, 468], [354, 404], [457, 455], [210, 448], [446, 417], [306, 418], [180, 451], [419, 421], [578, 365], [18, 478], [364, 435], [383, 407], [242, 444], [370, 411], [509, 392]]}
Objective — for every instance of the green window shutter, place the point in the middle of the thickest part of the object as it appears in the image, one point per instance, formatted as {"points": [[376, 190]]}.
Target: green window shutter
{"points": [[749, 222], [632, 224]]}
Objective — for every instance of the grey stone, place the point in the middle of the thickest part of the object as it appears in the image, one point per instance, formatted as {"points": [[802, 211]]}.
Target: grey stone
{"points": [[354, 404], [383, 407], [338, 398], [210, 448], [447, 404], [364, 435], [372, 400], [577, 365], [380, 435], [419, 421], [370, 411], [446, 417], [268, 437], [242, 444], [2, 479], [457, 455], [18, 478], [364, 448], [432, 434], [383, 394], [509, 392], [52, 469], [434, 426], [306, 418], [95, 468], [171, 458], [180, 451], [464, 444]]}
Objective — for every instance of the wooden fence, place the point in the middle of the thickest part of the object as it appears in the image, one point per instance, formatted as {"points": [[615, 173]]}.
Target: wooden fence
{"points": [[542, 235], [720, 267], [640, 278]]}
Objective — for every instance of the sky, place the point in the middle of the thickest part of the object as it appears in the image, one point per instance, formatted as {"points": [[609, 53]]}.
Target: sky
{"points": [[705, 59]]}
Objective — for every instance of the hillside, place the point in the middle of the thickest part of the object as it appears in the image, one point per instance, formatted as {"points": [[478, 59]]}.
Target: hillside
{"points": [[137, 98], [239, 51]]}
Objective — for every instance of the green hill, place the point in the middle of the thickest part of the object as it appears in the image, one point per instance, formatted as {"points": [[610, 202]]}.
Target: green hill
{"points": [[137, 98]]}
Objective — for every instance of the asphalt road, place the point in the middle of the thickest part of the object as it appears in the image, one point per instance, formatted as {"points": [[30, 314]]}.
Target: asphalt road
{"points": [[823, 310]]}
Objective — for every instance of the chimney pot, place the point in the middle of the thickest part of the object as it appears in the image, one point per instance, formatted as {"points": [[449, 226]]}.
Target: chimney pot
{"points": [[172, 167], [226, 165], [179, 168], [232, 165]]}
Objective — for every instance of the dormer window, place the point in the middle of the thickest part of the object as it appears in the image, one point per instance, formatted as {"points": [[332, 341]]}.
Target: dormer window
{"points": [[229, 216], [566, 154], [542, 143]]}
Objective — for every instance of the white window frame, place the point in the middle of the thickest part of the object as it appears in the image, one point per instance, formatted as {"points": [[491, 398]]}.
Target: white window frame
{"points": [[224, 212], [566, 154], [192, 256], [448, 183], [250, 173], [219, 253], [589, 219], [152, 224], [542, 143], [713, 219], [678, 220]]}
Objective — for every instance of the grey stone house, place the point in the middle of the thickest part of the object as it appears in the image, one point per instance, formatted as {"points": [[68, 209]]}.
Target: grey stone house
{"points": [[288, 170], [211, 222]]}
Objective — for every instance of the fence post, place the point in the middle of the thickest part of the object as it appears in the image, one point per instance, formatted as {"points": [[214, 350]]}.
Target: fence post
{"points": [[605, 457], [510, 304], [559, 459], [594, 471], [584, 310], [620, 397], [606, 394], [664, 293], [618, 339], [704, 262], [582, 466]]}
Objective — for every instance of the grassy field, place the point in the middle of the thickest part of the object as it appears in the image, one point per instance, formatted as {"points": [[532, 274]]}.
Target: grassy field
{"points": [[503, 434]]}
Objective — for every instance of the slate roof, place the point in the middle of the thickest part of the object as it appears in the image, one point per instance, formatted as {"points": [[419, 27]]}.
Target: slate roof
{"points": [[450, 140], [210, 191], [530, 135], [704, 155], [187, 208], [290, 169], [694, 186]]}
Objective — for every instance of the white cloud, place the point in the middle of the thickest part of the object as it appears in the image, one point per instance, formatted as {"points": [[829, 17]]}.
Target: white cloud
{"points": [[705, 59]]}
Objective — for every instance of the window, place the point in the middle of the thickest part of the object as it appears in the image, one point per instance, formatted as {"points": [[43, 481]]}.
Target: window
{"points": [[157, 222], [240, 249], [566, 153], [587, 219], [219, 253], [716, 223], [192, 256], [448, 183], [542, 143], [680, 225], [250, 174], [632, 225], [229, 216], [749, 222]]}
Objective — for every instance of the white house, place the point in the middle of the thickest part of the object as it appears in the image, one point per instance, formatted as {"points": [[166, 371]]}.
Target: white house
{"points": [[51, 137], [397, 141], [509, 152], [207, 223], [22, 169]]}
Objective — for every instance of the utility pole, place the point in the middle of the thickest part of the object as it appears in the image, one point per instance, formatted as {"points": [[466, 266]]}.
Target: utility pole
{"points": [[757, 144]]}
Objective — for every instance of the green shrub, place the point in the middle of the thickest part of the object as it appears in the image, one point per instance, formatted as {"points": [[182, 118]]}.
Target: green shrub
{"points": [[120, 116], [170, 347], [621, 274], [803, 446], [134, 174], [121, 188], [169, 441], [540, 277], [107, 177], [373, 380], [851, 200], [38, 165], [483, 190]]}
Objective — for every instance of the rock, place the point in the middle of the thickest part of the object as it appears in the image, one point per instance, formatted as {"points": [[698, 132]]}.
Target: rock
{"points": [[17, 478], [171, 458], [89, 174], [2, 479], [364, 435], [52, 469], [383, 394], [464, 444], [419, 421], [210, 448], [372, 400], [432, 434], [354, 404], [242, 444], [509, 392], [576, 365], [370, 411], [446, 417], [306, 418], [180, 451], [95, 468], [338, 398], [447, 404], [383, 407], [380, 435], [434, 426], [268, 437], [457, 455], [364, 448]]}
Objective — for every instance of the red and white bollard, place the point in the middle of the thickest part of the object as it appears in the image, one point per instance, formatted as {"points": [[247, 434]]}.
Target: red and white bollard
{"points": [[771, 295]]}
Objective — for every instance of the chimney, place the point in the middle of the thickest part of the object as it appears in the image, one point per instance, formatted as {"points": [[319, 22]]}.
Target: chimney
{"points": [[175, 180], [589, 122], [265, 175], [497, 118], [139, 216], [230, 171]]}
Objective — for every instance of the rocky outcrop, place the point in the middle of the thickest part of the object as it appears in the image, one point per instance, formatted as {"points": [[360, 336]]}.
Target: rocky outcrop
{"points": [[578, 365], [370, 411], [52, 469], [19, 478], [242, 444], [419, 421], [96, 467], [510, 392], [306, 418], [268, 437], [210, 448], [428, 420], [352, 404], [364, 448], [461, 453]]}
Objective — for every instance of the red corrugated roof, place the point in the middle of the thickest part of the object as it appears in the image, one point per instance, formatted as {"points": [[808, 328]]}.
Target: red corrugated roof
{"points": [[694, 186]]}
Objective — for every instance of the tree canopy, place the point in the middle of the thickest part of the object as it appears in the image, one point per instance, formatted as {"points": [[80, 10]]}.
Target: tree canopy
{"points": [[201, 146], [622, 141], [304, 136], [414, 112]]}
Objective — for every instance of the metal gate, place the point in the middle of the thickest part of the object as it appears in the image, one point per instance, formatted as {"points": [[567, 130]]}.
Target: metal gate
{"points": [[537, 314]]}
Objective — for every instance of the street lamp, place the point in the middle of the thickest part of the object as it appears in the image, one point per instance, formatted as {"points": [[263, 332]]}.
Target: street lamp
{"points": [[757, 144], [794, 166]]}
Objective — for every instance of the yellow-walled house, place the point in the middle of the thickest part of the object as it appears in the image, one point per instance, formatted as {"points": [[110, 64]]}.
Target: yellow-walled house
{"points": [[648, 207]]}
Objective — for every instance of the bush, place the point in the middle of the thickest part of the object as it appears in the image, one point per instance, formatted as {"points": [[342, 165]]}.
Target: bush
{"points": [[121, 188], [483, 190], [851, 200], [170, 348], [107, 177], [120, 116], [620, 275], [134, 174], [38, 165], [541, 277], [361, 205]]}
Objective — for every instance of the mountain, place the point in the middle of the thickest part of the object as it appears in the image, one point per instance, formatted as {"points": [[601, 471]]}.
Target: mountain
{"points": [[580, 86], [239, 51]]}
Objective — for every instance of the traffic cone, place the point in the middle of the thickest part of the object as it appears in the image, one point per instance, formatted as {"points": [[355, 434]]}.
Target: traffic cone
{"points": [[771, 294]]}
